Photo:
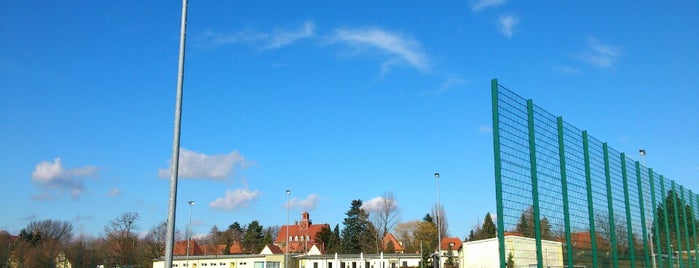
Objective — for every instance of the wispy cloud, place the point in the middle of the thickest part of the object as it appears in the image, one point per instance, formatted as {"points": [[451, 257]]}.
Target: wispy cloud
{"points": [[398, 48], [235, 199], [507, 24], [484, 129], [283, 38], [113, 192], [568, 70], [194, 165], [479, 5], [51, 178], [600, 54], [310, 203], [265, 41]]}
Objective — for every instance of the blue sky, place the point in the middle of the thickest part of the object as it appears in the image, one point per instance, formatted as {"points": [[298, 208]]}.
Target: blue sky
{"points": [[335, 101]]}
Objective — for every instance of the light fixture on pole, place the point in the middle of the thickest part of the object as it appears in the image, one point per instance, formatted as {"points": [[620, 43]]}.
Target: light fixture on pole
{"points": [[286, 252], [189, 229], [642, 153], [439, 227]]}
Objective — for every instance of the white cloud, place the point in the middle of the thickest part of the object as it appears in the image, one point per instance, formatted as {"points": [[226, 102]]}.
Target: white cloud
{"points": [[310, 203], [507, 23], [377, 203], [479, 5], [266, 41], [600, 54], [235, 199], [201, 166], [51, 177], [400, 49], [484, 129], [449, 84], [283, 38], [113, 192]]}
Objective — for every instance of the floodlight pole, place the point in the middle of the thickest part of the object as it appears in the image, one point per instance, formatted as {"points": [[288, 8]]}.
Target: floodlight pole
{"points": [[439, 227], [174, 162], [642, 152]]}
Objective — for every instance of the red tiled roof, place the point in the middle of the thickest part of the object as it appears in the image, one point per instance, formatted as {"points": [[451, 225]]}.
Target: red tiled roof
{"points": [[180, 248], [397, 247], [447, 240], [302, 235], [275, 249]]}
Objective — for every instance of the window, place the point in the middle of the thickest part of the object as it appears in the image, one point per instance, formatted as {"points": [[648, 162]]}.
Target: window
{"points": [[203, 264], [354, 264], [308, 238], [296, 238], [273, 264], [330, 264], [315, 265], [405, 264], [342, 265]]}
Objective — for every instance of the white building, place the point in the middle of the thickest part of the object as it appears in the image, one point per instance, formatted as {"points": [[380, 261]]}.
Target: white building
{"points": [[485, 253]]}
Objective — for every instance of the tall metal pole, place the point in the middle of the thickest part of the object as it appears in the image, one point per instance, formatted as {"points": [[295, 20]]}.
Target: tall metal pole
{"points": [[174, 162], [189, 229], [286, 252], [439, 227]]}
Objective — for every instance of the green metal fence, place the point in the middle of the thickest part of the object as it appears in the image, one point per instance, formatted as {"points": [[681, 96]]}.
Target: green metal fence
{"points": [[560, 186]]}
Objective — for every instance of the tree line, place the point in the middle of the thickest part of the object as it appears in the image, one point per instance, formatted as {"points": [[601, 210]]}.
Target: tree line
{"points": [[41, 242]]}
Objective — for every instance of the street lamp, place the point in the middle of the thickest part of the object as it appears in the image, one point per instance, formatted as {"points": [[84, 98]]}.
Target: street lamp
{"points": [[286, 252], [439, 227], [189, 236]]}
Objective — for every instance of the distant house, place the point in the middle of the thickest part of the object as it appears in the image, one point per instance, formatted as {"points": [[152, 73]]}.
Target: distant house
{"points": [[180, 248], [390, 239], [301, 235]]}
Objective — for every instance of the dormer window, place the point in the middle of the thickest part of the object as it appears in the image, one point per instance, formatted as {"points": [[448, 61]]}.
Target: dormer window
{"points": [[296, 238]]}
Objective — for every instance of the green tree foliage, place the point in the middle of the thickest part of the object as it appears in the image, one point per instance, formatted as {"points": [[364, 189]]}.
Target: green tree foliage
{"points": [[253, 238], [358, 231], [335, 242], [426, 238], [485, 231], [525, 225], [510, 260], [323, 236], [669, 206]]}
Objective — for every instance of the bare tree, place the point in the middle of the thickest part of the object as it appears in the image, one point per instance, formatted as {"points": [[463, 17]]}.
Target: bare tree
{"points": [[441, 220], [122, 238], [61, 231], [405, 233], [384, 216]]}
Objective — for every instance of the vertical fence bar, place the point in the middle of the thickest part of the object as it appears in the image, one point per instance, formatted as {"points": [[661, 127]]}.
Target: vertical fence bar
{"points": [[684, 221], [498, 173], [627, 204], [641, 204], [656, 222], [694, 226], [564, 185], [677, 231], [666, 223], [610, 206], [590, 207], [535, 183]]}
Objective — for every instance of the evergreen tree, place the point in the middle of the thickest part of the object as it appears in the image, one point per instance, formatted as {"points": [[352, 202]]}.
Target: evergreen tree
{"points": [[323, 237], [335, 242], [668, 206], [357, 234], [526, 225], [253, 238], [489, 230]]}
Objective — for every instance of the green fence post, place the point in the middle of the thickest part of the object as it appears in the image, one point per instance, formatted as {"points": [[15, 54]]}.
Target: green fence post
{"points": [[678, 231], [610, 206], [667, 224], [498, 173], [694, 227], [564, 185], [686, 228], [641, 204], [627, 204], [656, 222], [590, 207], [535, 184]]}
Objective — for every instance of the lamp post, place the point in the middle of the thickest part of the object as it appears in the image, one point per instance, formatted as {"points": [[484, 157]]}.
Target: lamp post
{"points": [[439, 227], [189, 227], [286, 252]]}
